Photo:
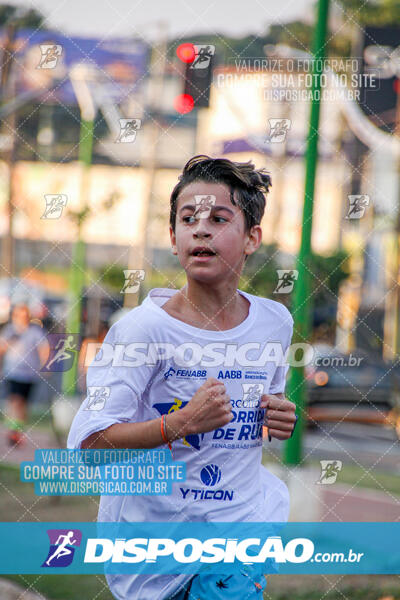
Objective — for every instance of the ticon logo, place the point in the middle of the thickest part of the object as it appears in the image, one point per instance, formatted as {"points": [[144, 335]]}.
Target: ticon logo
{"points": [[190, 550], [210, 475]]}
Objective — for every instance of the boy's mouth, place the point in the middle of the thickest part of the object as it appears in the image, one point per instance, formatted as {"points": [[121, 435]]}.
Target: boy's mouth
{"points": [[202, 251]]}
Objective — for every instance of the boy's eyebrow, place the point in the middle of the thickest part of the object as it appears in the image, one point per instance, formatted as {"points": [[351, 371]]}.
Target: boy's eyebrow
{"points": [[214, 208]]}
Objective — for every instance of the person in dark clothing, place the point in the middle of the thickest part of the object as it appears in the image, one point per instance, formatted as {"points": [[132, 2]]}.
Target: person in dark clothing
{"points": [[25, 349]]}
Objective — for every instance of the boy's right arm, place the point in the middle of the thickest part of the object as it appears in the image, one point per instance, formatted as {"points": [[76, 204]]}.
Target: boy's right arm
{"points": [[208, 409]]}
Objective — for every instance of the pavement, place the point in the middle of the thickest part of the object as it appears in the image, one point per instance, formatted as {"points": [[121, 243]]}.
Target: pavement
{"points": [[35, 439], [311, 501], [11, 591]]}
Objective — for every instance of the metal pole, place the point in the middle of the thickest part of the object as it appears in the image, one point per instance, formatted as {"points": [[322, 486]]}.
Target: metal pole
{"points": [[141, 257], [7, 91], [301, 308], [77, 271]]}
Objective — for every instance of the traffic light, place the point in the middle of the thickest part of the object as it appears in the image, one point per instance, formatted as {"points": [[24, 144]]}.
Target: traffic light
{"points": [[198, 59]]}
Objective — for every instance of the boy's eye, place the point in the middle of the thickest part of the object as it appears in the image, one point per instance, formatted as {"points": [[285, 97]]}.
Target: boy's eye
{"points": [[192, 219]]}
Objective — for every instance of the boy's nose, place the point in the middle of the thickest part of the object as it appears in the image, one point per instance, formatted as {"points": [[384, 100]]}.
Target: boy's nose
{"points": [[201, 229]]}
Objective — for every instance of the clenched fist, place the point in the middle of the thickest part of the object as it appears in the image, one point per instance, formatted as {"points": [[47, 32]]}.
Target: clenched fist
{"points": [[208, 409], [280, 415]]}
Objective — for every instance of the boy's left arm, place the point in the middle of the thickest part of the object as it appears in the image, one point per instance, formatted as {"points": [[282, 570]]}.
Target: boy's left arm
{"points": [[280, 415]]}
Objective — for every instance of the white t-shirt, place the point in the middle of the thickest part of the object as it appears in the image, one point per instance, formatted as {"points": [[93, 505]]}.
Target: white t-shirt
{"points": [[170, 360]]}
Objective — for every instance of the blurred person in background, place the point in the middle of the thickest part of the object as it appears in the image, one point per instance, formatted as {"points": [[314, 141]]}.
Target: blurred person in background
{"points": [[90, 346], [25, 349]]}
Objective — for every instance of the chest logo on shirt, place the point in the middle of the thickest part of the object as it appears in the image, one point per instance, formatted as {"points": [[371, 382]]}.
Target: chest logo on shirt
{"points": [[165, 408], [210, 475], [230, 375], [185, 373]]}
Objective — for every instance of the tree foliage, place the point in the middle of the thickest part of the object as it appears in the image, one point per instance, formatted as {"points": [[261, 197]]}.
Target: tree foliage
{"points": [[29, 18]]}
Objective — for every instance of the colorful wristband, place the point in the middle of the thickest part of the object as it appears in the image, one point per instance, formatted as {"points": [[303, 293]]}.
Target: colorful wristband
{"points": [[163, 435]]}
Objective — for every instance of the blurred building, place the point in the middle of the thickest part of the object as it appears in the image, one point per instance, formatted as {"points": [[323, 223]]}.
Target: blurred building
{"points": [[236, 126]]}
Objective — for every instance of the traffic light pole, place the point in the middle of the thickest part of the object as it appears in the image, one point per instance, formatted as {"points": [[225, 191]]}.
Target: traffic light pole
{"points": [[301, 307]]}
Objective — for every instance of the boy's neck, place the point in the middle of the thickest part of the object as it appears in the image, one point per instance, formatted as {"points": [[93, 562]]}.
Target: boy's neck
{"points": [[208, 307]]}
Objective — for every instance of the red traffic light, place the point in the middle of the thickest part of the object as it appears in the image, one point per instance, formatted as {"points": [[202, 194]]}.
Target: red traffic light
{"points": [[186, 52], [183, 103]]}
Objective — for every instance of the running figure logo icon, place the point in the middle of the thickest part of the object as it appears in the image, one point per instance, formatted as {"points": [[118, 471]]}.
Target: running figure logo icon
{"points": [[128, 130], [204, 204], [203, 55], [287, 277], [62, 547], [252, 393], [97, 397], [50, 55], [133, 279], [329, 471], [278, 129], [54, 206], [357, 205], [63, 349]]}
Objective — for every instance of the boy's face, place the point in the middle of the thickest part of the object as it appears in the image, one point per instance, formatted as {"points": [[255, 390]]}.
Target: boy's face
{"points": [[206, 218]]}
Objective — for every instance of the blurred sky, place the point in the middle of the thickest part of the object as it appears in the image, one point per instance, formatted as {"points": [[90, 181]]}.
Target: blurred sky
{"points": [[112, 18]]}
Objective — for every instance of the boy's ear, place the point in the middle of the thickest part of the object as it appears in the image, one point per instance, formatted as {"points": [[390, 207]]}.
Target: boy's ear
{"points": [[254, 241], [173, 241]]}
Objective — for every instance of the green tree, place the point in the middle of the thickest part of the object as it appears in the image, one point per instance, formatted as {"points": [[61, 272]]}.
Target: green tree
{"points": [[24, 17], [381, 12], [260, 276]]}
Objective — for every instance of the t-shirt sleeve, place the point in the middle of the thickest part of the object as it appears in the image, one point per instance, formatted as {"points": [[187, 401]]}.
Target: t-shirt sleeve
{"points": [[113, 392], [278, 382]]}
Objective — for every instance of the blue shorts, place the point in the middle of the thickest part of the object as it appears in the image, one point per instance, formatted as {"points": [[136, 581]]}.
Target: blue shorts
{"points": [[248, 584]]}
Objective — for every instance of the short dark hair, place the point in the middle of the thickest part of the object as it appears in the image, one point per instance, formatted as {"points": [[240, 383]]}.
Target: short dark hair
{"points": [[249, 183]]}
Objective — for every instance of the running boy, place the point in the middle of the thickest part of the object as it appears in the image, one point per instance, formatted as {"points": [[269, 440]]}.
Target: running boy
{"points": [[201, 377]]}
